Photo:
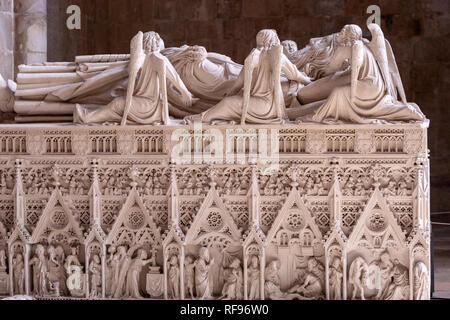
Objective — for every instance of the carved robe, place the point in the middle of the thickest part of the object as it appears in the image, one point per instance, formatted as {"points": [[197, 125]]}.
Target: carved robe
{"points": [[147, 105], [202, 279], [266, 97], [371, 100]]}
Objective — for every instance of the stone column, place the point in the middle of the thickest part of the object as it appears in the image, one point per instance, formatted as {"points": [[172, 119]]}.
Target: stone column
{"points": [[30, 31], [7, 39]]}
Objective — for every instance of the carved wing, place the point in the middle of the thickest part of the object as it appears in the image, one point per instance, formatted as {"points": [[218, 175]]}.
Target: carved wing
{"points": [[378, 48], [249, 65], [395, 74], [159, 64], [275, 54], [137, 57]]}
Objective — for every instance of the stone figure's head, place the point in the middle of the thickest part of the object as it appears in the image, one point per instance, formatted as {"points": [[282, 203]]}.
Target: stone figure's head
{"points": [[96, 259], [196, 53], [19, 257], [112, 249], [174, 260], [275, 265], [40, 250], [74, 251], [121, 250], [152, 42], [312, 264], [289, 47], [204, 254], [267, 38], [51, 250], [188, 260], [255, 261], [385, 257], [142, 254], [350, 34], [336, 263], [236, 263]]}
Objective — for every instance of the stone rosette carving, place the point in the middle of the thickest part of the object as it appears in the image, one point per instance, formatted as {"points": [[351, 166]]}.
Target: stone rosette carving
{"points": [[80, 143], [315, 142], [414, 141], [125, 143], [35, 142], [364, 143]]}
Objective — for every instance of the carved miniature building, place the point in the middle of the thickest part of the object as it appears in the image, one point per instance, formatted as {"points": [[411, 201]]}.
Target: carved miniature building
{"points": [[109, 212]]}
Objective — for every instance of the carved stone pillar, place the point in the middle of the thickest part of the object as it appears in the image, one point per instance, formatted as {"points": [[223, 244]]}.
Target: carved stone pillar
{"points": [[31, 31], [7, 39]]}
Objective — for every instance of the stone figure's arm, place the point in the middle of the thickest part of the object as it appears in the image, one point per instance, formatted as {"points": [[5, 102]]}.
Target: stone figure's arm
{"points": [[357, 60], [175, 80], [292, 73], [238, 84]]}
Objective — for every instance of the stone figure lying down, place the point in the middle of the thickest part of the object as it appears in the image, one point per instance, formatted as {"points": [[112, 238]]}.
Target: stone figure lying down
{"points": [[54, 88]]}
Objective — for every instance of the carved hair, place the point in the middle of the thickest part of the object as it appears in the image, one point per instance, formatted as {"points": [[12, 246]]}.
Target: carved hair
{"points": [[315, 57], [188, 55], [152, 42], [349, 35], [267, 38]]}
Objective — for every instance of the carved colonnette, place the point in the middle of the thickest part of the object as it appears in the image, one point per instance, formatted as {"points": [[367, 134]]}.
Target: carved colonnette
{"points": [[318, 212]]}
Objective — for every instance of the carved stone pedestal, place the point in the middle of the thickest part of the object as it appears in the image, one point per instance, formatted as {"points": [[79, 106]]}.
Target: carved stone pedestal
{"points": [[310, 210]]}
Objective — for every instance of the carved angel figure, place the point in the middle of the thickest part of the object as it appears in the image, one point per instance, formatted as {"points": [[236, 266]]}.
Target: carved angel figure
{"points": [[362, 82], [18, 274], [133, 274], [39, 265], [398, 288], [272, 289], [336, 277], [202, 274], [95, 268], [232, 288], [358, 276], [124, 264], [110, 270], [2, 259], [262, 100], [421, 282], [146, 100], [253, 277], [189, 276], [174, 278], [312, 286]]}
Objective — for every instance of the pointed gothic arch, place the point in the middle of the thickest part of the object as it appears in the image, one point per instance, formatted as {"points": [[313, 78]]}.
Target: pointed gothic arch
{"points": [[134, 224], [57, 223]]}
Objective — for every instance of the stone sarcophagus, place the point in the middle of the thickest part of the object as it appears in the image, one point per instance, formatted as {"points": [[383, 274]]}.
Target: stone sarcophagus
{"points": [[291, 211]]}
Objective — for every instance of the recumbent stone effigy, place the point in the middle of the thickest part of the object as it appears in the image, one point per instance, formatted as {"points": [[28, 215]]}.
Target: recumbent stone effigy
{"points": [[302, 174]]}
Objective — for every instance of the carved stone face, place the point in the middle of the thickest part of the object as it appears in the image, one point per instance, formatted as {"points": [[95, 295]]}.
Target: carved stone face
{"points": [[198, 52], [96, 259], [142, 254], [289, 47], [255, 262], [204, 254]]}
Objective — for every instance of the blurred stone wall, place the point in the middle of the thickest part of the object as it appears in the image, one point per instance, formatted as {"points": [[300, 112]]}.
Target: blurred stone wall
{"points": [[418, 30], [6, 39]]}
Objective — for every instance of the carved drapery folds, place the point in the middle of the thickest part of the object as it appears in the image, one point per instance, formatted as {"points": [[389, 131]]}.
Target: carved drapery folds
{"points": [[89, 216]]}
